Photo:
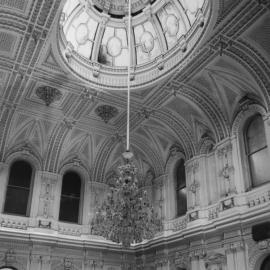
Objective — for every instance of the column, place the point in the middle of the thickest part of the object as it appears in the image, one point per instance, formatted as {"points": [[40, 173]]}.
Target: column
{"points": [[170, 195]]}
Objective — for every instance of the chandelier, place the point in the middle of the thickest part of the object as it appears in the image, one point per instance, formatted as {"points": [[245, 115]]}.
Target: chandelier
{"points": [[126, 216]]}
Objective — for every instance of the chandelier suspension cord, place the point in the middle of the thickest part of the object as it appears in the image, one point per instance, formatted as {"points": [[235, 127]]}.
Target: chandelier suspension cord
{"points": [[128, 71]]}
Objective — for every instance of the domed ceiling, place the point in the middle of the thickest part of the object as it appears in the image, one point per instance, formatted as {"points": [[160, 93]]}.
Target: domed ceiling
{"points": [[94, 42], [55, 102]]}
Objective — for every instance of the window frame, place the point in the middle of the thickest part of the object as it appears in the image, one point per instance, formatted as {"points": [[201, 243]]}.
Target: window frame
{"points": [[248, 154], [31, 187], [180, 187], [81, 199]]}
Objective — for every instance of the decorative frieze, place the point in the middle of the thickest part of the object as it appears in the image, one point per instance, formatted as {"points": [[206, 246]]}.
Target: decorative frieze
{"points": [[75, 230], [15, 222], [227, 204], [256, 198]]}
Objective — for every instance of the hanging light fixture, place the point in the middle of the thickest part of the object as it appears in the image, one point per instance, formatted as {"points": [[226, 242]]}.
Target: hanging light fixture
{"points": [[126, 216]]}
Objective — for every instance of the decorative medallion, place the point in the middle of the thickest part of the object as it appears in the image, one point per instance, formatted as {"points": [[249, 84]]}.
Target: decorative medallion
{"points": [[106, 112], [82, 33], [147, 41], [172, 25], [48, 94], [114, 46]]}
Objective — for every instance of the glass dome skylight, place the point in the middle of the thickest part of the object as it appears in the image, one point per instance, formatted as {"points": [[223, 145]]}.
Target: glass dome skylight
{"points": [[95, 32]]}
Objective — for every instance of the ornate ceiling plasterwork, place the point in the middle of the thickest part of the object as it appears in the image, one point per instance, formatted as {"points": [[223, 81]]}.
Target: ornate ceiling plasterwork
{"points": [[33, 59], [94, 45], [119, 7], [48, 94]]}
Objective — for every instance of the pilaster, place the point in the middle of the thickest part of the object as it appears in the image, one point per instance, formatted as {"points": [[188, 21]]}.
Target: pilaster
{"points": [[46, 205], [4, 171]]}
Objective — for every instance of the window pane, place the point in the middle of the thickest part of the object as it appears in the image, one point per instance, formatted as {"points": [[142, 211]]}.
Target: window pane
{"points": [[181, 202], [20, 174], [266, 264], [16, 200], [18, 189], [259, 167], [71, 184], [181, 175], [69, 209], [255, 135], [70, 197]]}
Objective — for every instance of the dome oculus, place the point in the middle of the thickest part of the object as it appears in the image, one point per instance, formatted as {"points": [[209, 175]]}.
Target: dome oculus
{"points": [[90, 35]]}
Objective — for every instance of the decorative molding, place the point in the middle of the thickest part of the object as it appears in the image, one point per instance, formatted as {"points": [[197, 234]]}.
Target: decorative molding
{"points": [[106, 112], [145, 113], [48, 94]]}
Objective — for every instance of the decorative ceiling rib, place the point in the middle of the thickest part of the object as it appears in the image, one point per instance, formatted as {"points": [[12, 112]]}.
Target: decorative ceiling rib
{"points": [[29, 58]]}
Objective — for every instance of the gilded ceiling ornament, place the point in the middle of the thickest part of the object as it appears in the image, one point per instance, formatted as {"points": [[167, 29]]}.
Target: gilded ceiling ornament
{"points": [[48, 94], [106, 112]]}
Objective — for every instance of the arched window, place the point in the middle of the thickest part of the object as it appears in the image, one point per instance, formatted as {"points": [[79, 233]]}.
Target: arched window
{"points": [[181, 191], [18, 194], [70, 198], [266, 264], [257, 152]]}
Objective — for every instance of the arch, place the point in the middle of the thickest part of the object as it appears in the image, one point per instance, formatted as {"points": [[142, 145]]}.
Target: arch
{"points": [[176, 153], [24, 151], [205, 145], [256, 150], [19, 188], [266, 263], [75, 163], [71, 197], [7, 268], [243, 115], [257, 258], [237, 131], [181, 187]]}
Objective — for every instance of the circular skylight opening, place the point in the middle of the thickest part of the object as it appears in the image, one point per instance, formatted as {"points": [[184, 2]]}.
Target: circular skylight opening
{"points": [[94, 42]]}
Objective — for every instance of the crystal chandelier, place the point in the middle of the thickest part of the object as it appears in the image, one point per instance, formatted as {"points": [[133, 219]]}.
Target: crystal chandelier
{"points": [[126, 216]]}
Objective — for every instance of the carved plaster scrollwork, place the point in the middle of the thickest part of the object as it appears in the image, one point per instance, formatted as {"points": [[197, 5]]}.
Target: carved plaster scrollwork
{"points": [[48, 94], [227, 169], [181, 260], [145, 113], [89, 95], [68, 264], [46, 199], [195, 185], [215, 261], [175, 150], [69, 123], [197, 254], [106, 112]]}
